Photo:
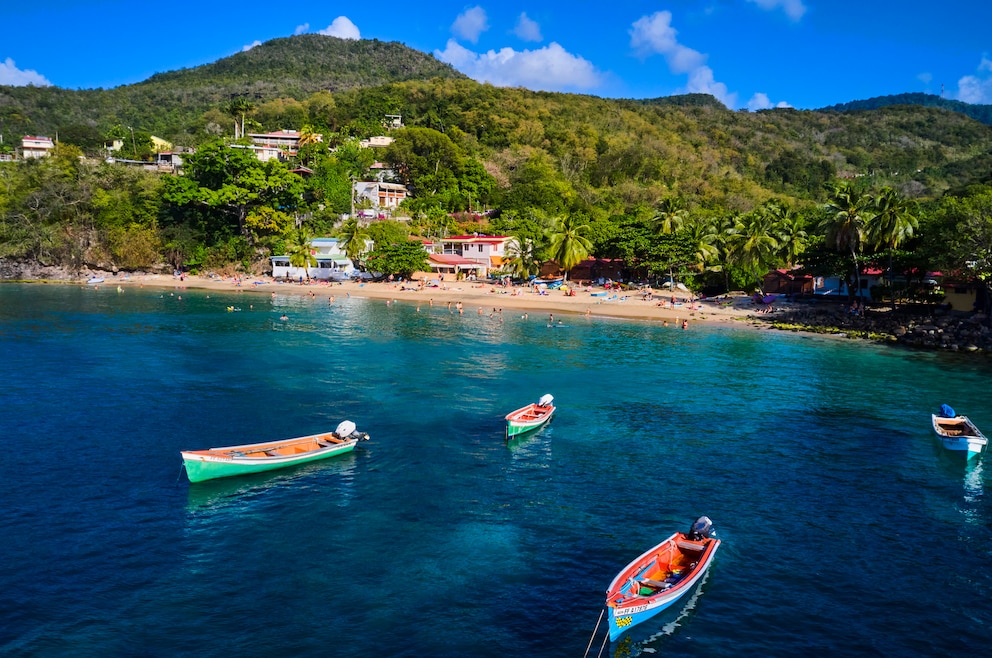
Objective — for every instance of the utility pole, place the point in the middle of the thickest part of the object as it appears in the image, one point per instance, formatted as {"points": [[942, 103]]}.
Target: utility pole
{"points": [[134, 146]]}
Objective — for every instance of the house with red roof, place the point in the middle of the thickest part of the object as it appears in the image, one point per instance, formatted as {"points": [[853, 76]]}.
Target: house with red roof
{"points": [[36, 147], [479, 253]]}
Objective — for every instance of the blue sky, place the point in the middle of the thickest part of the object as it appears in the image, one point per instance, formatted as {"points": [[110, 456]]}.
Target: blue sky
{"points": [[751, 54]]}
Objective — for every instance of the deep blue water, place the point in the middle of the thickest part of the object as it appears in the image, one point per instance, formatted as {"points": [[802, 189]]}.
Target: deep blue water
{"points": [[846, 530]]}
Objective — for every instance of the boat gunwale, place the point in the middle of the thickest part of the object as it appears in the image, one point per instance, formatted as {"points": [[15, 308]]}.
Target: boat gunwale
{"points": [[643, 561]]}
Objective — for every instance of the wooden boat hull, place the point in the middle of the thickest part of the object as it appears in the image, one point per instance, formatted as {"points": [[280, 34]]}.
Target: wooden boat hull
{"points": [[656, 580], [959, 436], [527, 419], [231, 461]]}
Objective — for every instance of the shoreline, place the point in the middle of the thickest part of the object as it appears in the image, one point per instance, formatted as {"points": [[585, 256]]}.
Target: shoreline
{"points": [[475, 297]]}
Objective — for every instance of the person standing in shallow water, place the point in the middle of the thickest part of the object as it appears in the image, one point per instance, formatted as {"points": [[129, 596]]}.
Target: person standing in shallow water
{"points": [[685, 324]]}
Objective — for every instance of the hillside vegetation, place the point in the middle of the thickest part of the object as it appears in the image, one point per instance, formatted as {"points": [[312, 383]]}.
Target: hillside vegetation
{"points": [[677, 184]]}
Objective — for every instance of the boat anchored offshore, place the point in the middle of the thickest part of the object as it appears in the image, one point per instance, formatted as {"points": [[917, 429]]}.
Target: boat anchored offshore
{"points": [[958, 434], [659, 577], [530, 418], [259, 457]]}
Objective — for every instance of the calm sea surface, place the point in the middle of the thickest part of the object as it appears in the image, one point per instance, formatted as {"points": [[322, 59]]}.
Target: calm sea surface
{"points": [[846, 530]]}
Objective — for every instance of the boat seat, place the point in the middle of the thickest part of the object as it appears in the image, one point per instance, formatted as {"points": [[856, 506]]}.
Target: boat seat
{"points": [[654, 584], [689, 545]]}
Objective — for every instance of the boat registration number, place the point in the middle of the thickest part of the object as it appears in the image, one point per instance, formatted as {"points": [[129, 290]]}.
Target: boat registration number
{"points": [[634, 610]]}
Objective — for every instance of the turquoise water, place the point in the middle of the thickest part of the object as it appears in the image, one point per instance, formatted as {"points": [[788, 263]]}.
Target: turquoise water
{"points": [[846, 530]]}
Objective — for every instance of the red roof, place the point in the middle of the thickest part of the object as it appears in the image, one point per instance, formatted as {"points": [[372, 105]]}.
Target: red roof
{"points": [[479, 238], [451, 259]]}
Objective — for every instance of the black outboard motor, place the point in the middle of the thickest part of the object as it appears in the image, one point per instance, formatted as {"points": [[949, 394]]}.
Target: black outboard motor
{"points": [[701, 529]]}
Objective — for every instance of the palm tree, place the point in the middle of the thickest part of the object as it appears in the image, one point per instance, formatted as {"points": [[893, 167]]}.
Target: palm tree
{"points": [[671, 216], [569, 244], [353, 236], [790, 231], [239, 107], [753, 243], [300, 250], [522, 257], [892, 224], [703, 238], [844, 227], [308, 137]]}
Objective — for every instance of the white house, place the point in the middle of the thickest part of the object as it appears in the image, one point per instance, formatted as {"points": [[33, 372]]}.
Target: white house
{"points": [[36, 147], [379, 194], [332, 263], [278, 144], [485, 253]]}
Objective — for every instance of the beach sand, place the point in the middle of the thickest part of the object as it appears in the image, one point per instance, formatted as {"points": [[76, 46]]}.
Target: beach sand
{"points": [[480, 298]]}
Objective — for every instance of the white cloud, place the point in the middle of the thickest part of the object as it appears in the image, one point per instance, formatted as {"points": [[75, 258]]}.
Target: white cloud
{"points": [[301, 29], [470, 24], [251, 45], [974, 88], [794, 9], [925, 78], [341, 28], [760, 101], [14, 77], [527, 30], [654, 34], [551, 68]]}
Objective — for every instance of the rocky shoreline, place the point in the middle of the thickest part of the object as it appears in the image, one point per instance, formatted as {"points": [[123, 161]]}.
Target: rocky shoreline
{"points": [[925, 327]]}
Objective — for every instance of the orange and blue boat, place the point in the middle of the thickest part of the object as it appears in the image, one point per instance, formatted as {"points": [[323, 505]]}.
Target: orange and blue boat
{"points": [[660, 576], [530, 418], [260, 457]]}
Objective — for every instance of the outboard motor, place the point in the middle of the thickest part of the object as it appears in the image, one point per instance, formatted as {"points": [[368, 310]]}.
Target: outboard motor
{"points": [[701, 529], [345, 429], [947, 411], [546, 400]]}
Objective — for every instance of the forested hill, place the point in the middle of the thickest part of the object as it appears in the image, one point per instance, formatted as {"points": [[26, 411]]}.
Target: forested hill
{"points": [[300, 65], [981, 113], [171, 105]]}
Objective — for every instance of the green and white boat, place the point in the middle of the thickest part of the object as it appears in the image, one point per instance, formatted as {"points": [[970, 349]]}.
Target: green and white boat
{"points": [[530, 418], [260, 457]]}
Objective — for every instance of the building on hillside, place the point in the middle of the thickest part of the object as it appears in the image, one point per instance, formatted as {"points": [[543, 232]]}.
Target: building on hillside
{"points": [[787, 282], [282, 144], [487, 252], [332, 263], [159, 145], [169, 161], [36, 147], [393, 121], [377, 142], [380, 195]]}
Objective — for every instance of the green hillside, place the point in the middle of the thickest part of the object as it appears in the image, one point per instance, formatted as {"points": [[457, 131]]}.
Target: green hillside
{"points": [[982, 113], [171, 105]]}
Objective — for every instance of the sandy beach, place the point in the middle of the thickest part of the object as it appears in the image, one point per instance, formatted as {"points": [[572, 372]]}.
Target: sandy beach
{"points": [[479, 298]]}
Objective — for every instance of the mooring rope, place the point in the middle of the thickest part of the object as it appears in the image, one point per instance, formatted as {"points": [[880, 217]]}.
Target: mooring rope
{"points": [[594, 631]]}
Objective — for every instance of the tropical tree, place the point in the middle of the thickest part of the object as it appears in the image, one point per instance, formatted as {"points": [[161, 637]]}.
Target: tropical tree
{"points": [[753, 243], [239, 108], [522, 256], [848, 210], [300, 249], [790, 231], [352, 238], [569, 244], [671, 216], [892, 223], [401, 259]]}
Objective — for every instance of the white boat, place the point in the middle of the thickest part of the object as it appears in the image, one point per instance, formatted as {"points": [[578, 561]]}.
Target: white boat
{"points": [[94, 280], [958, 434]]}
